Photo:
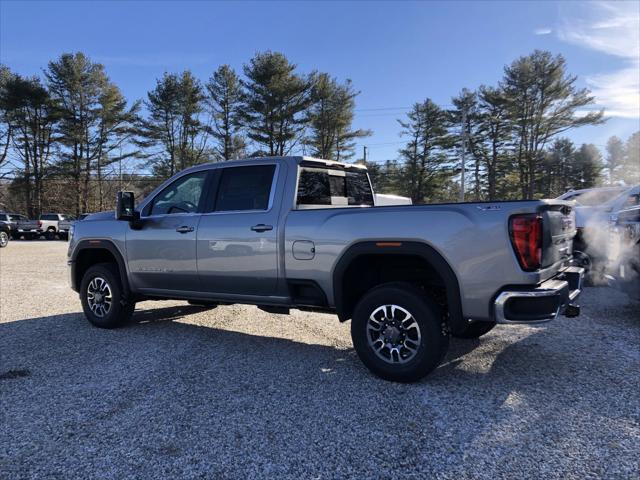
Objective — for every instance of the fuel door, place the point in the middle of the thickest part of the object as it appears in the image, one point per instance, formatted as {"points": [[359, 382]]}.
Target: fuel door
{"points": [[304, 250]]}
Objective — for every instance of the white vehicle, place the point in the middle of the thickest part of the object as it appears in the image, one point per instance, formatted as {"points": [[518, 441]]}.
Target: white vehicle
{"points": [[383, 199], [48, 224]]}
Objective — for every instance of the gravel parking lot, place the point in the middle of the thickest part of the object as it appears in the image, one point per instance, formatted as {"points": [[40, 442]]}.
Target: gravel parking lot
{"points": [[235, 392]]}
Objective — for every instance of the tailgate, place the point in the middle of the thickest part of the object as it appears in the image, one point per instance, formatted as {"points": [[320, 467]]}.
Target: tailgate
{"points": [[558, 230]]}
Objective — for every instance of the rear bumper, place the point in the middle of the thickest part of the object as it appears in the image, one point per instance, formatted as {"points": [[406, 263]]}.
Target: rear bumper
{"points": [[542, 303]]}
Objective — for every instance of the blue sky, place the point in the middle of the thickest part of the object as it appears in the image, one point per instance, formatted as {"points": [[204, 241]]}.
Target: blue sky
{"points": [[396, 53]]}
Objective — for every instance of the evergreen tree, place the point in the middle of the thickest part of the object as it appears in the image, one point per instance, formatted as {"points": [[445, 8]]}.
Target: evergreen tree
{"points": [[5, 124], [173, 125], [93, 116], [277, 99], [426, 164], [225, 98], [543, 101], [31, 115], [330, 119], [587, 167], [615, 159], [631, 169]]}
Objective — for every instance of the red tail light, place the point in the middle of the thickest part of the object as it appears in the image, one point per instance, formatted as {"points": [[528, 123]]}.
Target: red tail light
{"points": [[526, 238], [39, 223]]}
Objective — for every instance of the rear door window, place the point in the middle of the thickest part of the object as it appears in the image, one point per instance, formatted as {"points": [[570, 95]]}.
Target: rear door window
{"points": [[245, 188]]}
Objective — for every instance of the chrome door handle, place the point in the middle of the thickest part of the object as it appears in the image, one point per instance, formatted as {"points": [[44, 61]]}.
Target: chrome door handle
{"points": [[261, 227], [184, 229]]}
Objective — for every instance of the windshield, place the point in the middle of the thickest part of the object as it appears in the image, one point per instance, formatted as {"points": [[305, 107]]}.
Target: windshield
{"points": [[593, 198]]}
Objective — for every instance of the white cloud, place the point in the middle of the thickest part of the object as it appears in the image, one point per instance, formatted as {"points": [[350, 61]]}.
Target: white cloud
{"points": [[542, 31], [612, 28]]}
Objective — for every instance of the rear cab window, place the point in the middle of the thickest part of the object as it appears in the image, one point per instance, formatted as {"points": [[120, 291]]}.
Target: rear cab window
{"points": [[333, 187]]}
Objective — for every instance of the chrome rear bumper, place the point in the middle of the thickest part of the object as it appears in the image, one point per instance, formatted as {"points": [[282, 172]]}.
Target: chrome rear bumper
{"points": [[542, 303]]}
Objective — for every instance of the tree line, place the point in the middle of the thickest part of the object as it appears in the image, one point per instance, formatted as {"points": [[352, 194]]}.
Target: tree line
{"points": [[65, 134]]}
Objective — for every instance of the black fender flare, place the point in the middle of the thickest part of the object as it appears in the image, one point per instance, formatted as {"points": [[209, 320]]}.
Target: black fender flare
{"points": [[99, 244], [390, 247]]}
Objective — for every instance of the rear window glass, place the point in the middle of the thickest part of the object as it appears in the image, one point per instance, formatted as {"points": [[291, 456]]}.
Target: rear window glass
{"points": [[320, 186], [49, 217]]}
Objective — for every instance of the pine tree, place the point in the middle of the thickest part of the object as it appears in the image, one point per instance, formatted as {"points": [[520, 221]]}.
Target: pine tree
{"points": [[615, 159], [93, 115], [277, 99], [225, 98], [425, 159], [330, 119], [543, 101], [631, 169], [173, 125]]}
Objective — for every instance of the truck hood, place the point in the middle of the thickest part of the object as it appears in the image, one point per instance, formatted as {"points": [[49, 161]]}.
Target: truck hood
{"points": [[110, 215]]}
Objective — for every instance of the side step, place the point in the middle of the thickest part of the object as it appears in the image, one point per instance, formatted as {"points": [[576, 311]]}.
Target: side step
{"points": [[274, 309]]}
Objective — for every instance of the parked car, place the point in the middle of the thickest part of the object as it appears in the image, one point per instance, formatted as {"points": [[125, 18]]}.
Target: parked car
{"points": [[11, 219], [48, 224], [297, 232], [383, 199], [5, 233], [28, 229], [592, 208], [64, 226], [623, 270]]}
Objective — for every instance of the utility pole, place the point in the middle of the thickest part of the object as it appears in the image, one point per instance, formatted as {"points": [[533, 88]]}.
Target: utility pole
{"points": [[464, 149], [364, 155]]}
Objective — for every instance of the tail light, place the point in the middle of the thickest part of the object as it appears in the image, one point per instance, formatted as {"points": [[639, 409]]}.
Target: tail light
{"points": [[526, 238], [39, 223]]}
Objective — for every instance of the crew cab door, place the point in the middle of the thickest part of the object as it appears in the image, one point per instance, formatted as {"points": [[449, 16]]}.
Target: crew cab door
{"points": [[238, 239], [161, 252]]}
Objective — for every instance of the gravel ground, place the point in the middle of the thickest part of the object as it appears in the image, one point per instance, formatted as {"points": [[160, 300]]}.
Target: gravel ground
{"points": [[235, 392]]}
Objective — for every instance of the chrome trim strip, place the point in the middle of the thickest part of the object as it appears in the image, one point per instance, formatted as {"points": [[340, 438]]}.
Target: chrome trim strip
{"points": [[553, 288]]}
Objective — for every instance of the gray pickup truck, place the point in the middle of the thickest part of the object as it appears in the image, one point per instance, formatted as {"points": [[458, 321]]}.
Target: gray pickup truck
{"points": [[298, 232]]}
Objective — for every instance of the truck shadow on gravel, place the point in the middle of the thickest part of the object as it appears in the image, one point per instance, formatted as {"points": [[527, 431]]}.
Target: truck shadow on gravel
{"points": [[197, 400]]}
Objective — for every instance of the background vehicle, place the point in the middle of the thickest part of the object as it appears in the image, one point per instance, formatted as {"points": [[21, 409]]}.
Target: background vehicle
{"points": [[296, 232], [12, 219], [48, 224], [593, 208], [383, 199], [65, 225], [623, 270], [5, 232]]}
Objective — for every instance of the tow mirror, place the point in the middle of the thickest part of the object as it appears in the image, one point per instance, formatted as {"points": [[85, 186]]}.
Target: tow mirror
{"points": [[125, 206]]}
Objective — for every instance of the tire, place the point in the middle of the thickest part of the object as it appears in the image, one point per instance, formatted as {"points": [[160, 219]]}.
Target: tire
{"points": [[119, 311], [50, 234], [399, 364], [16, 236], [4, 239], [475, 330]]}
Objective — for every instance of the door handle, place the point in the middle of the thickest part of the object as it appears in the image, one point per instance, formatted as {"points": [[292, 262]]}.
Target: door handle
{"points": [[184, 229], [261, 227]]}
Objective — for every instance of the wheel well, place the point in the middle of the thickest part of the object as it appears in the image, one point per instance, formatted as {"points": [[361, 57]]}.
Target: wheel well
{"points": [[87, 257], [369, 264], [368, 271]]}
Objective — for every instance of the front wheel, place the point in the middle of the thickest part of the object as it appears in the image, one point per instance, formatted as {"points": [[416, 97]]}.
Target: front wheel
{"points": [[398, 332], [4, 239], [102, 297]]}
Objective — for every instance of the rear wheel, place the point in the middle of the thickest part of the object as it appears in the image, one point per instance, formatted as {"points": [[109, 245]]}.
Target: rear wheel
{"points": [[398, 332], [4, 239], [102, 297], [475, 330]]}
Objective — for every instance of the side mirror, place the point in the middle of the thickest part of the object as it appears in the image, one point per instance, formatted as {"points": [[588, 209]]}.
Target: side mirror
{"points": [[125, 206]]}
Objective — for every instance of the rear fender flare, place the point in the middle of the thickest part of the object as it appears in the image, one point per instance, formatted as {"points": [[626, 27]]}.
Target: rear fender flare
{"points": [[428, 253]]}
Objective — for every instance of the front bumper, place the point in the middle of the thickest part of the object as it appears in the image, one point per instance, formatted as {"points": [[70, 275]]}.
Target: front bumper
{"points": [[543, 303]]}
